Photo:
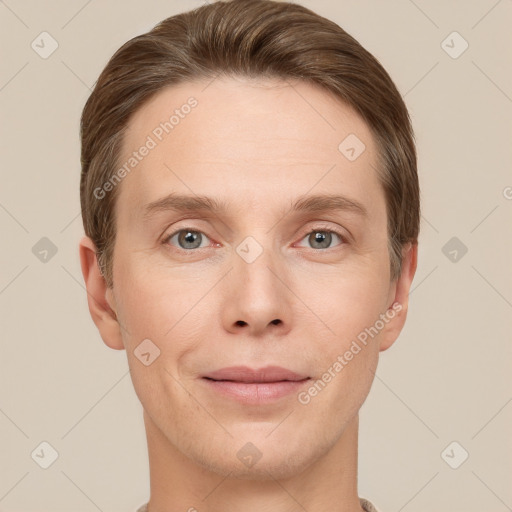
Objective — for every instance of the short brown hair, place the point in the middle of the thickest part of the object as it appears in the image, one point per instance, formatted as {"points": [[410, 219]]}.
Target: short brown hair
{"points": [[251, 38]]}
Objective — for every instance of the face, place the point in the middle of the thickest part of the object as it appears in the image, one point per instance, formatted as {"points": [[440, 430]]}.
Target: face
{"points": [[290, 269]]}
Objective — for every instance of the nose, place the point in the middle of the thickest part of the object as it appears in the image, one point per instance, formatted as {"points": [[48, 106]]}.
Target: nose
{"points": [[257, 299]]}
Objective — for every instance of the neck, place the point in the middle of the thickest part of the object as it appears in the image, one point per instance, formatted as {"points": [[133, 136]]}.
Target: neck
{"points": [[327, 484]]}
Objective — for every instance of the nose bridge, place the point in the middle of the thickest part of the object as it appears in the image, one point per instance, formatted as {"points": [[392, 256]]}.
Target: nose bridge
{"points": [[256, 261], [257, 297]]}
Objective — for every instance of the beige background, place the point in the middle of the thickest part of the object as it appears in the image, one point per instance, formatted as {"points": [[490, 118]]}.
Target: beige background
{"points": [[448, 377]]}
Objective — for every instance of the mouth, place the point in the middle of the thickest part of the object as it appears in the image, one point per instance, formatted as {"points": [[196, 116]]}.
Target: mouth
{"points": [[255, 387], [248, 375], [255, 381]]}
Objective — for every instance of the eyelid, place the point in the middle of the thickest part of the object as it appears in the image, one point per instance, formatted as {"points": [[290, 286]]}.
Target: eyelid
{"points": [[168, 236], [325, 227]]}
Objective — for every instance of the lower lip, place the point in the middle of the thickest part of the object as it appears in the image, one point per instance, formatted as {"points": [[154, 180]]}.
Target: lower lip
{"points": [[255, 392]]}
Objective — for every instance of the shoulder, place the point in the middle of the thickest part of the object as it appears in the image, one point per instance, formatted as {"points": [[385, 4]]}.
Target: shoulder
{"points": [[367, 506]]}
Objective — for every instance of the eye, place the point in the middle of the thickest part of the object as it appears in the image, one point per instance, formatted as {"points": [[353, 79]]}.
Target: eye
{"points": [[322, 238], [187, 239]]}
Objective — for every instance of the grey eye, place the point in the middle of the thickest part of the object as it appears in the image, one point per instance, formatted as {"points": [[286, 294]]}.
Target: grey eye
{"points": [[188, 239], [321, 238]]}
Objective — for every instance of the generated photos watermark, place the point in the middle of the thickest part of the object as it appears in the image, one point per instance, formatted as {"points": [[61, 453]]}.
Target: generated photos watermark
{"points": [[152, 140], [305, 397]]}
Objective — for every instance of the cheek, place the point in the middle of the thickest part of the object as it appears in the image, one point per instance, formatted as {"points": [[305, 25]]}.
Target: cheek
{"points": [[172, 312], [347, 352], [346, 336], [161, 320], [153, 302], [349, 302]]}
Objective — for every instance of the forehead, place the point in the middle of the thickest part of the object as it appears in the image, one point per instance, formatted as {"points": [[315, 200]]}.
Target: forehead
{"points": [[246, 141]]}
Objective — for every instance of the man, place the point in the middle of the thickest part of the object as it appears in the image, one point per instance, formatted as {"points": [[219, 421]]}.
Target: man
{"points": [[251, 208]]}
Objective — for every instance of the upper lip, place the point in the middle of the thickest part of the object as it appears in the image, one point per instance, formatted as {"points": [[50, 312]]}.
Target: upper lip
{"points": [[246, 374]]}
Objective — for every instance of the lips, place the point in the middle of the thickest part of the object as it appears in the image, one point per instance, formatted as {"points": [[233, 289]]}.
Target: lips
{"points": [[249, 375]]}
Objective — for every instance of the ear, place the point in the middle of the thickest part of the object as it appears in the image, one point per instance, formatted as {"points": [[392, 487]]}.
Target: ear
{"points": [[399, 293], [100, 298]]}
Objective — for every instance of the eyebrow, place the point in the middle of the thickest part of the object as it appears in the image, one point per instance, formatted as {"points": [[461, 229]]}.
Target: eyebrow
{"points": [[198, 203]]}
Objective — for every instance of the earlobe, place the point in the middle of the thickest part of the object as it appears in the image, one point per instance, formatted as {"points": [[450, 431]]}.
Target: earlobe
{"points": [[100, 298], [399, 306]]}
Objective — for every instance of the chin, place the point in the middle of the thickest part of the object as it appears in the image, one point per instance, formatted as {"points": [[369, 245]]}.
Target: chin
{"points": [[278, 468], [270, 460]]}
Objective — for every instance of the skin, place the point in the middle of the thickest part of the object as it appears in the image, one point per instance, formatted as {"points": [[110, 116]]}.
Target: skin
{"points": [[258, 145]]}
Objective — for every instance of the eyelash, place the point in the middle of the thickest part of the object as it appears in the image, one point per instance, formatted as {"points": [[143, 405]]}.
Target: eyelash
{"points": [[319, 229]]}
